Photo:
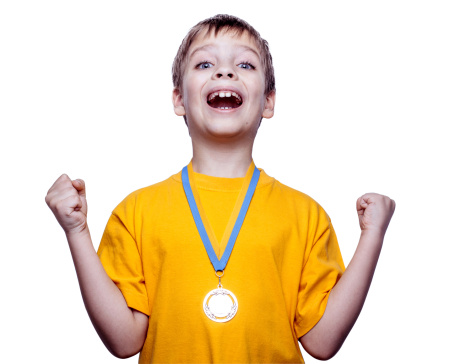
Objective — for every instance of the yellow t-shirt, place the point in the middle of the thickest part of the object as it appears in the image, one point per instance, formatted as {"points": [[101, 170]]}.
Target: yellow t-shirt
{"points": [[284, 263]]}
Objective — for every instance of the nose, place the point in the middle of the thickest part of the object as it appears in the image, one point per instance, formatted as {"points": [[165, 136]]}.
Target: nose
{"points": [[225, 71], [221, 75]]}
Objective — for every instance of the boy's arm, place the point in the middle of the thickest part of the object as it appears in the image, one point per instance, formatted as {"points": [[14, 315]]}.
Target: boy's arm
{"points": [[122, 329], [347, 297]]}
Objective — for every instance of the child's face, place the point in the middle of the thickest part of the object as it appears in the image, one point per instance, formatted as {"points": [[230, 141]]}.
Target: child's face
{"points": [[222, 93]]}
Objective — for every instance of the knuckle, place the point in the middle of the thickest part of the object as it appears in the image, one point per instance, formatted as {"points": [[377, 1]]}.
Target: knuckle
{"points": [[64, 179]]}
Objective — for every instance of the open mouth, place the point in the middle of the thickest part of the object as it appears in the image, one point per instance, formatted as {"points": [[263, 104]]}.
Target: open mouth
{"points": [[224, 100]]}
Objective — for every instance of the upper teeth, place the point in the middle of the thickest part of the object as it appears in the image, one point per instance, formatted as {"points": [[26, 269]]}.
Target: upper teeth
{"points": [[224, 94]]}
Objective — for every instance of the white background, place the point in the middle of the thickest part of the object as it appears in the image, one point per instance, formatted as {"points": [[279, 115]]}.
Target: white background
{"points": [[373, 96]]}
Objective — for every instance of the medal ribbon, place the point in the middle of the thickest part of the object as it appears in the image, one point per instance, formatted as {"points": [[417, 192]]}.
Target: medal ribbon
{"points": [[219, 265]]}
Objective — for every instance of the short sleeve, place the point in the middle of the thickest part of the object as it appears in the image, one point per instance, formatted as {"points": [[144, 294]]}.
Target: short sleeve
{"points": [[322, 269], [120, 255]]}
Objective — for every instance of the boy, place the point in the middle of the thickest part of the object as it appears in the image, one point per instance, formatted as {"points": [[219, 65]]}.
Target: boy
{"points": [[274, 267]]}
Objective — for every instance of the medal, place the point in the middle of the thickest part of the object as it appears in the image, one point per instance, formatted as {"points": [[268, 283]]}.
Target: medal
{"points": [[220, 305]]}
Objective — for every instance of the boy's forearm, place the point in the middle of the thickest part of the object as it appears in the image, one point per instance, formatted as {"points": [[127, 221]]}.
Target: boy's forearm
{"points": [[121, 329], [346, 299]]}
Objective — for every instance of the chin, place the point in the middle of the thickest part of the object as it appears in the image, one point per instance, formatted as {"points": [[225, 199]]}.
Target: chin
{"points": [[225, 133]]}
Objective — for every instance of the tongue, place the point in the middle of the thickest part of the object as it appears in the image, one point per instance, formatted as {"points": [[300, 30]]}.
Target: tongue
{"points": [[220, 102]]}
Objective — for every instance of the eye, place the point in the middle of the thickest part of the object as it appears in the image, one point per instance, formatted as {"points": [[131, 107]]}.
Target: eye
{"points": [[246, 65], [204, 65]]}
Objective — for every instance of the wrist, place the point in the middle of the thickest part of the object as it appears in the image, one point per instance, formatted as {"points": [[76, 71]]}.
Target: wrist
{"points": [[373, 234], [78, 233], [371, 243]]}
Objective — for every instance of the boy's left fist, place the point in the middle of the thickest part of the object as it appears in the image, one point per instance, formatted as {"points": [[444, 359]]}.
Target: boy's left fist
{"points": [[375, 212]]}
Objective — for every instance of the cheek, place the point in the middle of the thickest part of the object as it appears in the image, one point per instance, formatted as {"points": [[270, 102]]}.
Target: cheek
{"points": [[193, 86], [257, 87]]}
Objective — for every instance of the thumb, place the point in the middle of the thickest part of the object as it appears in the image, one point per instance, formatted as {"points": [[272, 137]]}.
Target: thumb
{"points": [[79, 185]]}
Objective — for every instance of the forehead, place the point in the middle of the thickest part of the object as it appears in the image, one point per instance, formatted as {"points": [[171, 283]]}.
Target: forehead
{"points": [[225, 38]]}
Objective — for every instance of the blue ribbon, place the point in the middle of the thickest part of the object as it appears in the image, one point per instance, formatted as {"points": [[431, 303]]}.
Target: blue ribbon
{"points": [[219, 265]]}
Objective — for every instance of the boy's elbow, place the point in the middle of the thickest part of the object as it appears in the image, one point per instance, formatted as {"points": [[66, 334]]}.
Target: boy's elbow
{"points": [[326, 356], [323, 354], [125, 347], [320, 349], [128, 342], [123, 352], [123, 355]]}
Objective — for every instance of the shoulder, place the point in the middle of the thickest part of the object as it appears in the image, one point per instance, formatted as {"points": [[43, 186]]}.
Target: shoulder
{"points": [[298, 210], [296, 205], [296, 199], [150, 194]]}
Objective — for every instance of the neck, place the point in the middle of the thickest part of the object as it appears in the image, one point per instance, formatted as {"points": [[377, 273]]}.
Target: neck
{"points": [[221, 162]]}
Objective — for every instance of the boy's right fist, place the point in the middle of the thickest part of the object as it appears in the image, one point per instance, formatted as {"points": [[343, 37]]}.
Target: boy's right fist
{"points": [[66, 199]]}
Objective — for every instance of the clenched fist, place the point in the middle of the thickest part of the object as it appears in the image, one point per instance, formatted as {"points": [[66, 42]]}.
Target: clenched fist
{"points": [[66, 199], [375, 212]]}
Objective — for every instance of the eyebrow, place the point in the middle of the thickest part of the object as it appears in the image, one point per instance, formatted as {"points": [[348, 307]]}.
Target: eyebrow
{"points": [[203, 48]]}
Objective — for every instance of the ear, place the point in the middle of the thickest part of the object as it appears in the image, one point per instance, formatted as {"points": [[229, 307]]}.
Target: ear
{"points": [[269, 110], [177, 99]]}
